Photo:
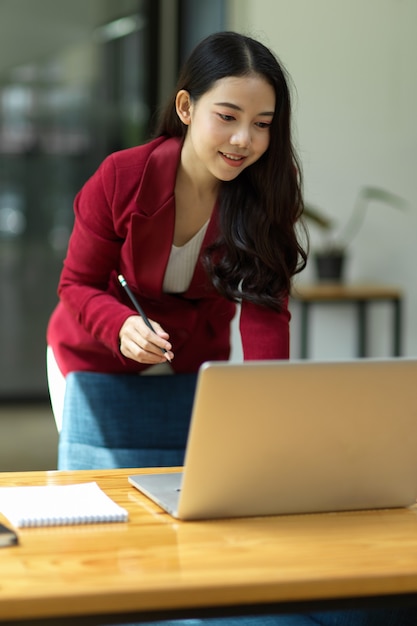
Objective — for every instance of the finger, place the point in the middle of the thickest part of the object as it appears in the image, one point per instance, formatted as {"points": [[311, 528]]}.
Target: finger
{"points": [[140, 350], [138, 342], [157, 338], [132, 350]]}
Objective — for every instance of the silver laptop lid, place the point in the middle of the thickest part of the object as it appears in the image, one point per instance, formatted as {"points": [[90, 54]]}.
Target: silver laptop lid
{"points": [[297, 437]]}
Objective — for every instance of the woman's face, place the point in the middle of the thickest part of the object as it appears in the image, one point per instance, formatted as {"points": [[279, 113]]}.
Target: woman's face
{"points": [[228, 127]]}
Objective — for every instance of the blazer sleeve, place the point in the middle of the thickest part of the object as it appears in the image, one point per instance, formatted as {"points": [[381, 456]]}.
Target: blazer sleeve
{"points": [[265, 333], [92, 258]]}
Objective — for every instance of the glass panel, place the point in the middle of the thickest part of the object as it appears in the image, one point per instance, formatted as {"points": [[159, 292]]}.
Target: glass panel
{"points": [[75, 84], [199, 18]]}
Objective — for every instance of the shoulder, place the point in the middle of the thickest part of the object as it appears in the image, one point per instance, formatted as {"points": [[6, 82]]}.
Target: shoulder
{"points": [[122, 174], [136, 158]]}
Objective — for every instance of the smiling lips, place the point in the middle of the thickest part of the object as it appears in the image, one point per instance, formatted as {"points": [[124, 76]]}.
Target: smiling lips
{"points": [[235, 160]]}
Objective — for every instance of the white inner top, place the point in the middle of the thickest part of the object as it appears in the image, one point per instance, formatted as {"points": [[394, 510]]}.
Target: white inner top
{"points": [[182, 262]]}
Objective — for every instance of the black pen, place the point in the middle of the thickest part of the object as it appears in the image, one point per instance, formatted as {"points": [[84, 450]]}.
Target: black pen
{"points": [[139, 309]]}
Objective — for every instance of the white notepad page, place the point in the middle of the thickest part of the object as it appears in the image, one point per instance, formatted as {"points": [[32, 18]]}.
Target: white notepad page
{"points": [[54, 505]]}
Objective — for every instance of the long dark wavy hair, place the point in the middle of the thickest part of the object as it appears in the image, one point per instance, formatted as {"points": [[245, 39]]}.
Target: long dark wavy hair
{"points": [[258, 250]]}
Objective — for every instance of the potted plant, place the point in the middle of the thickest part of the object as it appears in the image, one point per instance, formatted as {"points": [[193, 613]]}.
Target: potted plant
{"points": [[330, 258]]}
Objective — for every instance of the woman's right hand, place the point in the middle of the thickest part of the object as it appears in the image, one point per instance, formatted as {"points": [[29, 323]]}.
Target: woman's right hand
{"points": [[138, 342]]}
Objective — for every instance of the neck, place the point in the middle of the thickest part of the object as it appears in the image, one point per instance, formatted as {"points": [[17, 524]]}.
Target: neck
{"points": [[195, 176], [204, 192]]}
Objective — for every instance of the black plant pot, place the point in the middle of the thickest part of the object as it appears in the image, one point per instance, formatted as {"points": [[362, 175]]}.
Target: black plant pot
{"points": [[330, 266]]}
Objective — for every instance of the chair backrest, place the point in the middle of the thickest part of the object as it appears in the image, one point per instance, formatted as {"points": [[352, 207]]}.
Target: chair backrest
{"points": [[125, 420]]}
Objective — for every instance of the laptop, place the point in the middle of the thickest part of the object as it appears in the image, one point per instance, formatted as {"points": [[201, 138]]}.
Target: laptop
{"points": [[287, 437]]}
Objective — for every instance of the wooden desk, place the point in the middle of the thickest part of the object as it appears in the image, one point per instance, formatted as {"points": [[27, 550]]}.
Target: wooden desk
{"points": [[156, 567], [361, 296]]}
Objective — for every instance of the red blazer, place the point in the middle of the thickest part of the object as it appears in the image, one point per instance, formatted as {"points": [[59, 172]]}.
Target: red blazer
{"points": [[124, 223]]}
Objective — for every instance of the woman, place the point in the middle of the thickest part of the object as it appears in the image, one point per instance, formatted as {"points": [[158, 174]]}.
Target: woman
{"points": [[200, 218]]}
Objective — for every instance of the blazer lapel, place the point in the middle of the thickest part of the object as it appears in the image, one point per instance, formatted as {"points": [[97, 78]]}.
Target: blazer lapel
{"points": [[152, 227]]}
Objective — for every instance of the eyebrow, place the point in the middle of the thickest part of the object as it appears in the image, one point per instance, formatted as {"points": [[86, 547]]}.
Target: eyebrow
{"points": [[230, 105]]}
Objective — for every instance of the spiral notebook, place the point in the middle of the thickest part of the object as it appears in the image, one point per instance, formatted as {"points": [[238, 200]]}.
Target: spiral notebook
{"points": [[57, 505]]}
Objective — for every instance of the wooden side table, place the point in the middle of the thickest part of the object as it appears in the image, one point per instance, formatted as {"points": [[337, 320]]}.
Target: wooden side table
{"points": [[361, 295]]}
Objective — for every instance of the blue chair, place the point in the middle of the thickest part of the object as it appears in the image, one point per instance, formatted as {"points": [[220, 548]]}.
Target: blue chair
{"points": [[124, 420]]}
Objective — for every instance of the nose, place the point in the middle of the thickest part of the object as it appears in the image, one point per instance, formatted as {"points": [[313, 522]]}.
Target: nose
{"points": [[241, 137]]}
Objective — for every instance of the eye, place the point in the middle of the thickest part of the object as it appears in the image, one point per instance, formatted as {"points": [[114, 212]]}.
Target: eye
{"points": [[263, 124], [226, 118]]}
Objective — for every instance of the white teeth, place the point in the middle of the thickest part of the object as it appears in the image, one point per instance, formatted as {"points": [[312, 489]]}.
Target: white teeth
{"points": [[232, 157]]}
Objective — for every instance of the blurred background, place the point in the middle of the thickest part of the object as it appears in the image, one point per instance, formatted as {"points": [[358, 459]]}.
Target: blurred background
{"points": [[81, 79], [78, 80]]}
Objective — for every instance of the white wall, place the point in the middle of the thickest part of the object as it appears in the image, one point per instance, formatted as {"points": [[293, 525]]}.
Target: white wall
{"points": [[354, 69]]}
